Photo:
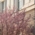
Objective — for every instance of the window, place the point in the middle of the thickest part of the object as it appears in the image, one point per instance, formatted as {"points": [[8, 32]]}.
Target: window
{"points": [[1, 6], [21, 3], [5, 4], [16, 2]]}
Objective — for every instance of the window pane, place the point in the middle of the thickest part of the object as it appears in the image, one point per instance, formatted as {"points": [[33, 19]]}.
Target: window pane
{"points": [[0, 7], [5, 4], [20, 4], [16, 5]]}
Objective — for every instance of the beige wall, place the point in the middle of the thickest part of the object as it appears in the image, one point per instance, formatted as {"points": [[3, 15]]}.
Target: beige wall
{"points": [[29, 9], [31, 18], [27, 13]]}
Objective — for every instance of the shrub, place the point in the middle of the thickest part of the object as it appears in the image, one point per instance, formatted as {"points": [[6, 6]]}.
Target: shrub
{"points": [[14, 23]]}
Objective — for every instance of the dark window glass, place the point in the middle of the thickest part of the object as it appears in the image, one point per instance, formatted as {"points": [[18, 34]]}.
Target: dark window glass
{"points": [[1, 6]]}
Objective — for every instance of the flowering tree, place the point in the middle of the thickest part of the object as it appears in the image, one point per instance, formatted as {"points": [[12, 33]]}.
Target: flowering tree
{"points": [[14, 23]]}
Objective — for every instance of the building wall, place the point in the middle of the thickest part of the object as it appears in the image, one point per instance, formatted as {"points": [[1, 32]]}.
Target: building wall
{"points": [[29, 9], [17, 3], [27, 14], [31, 20], [29, 6]]}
